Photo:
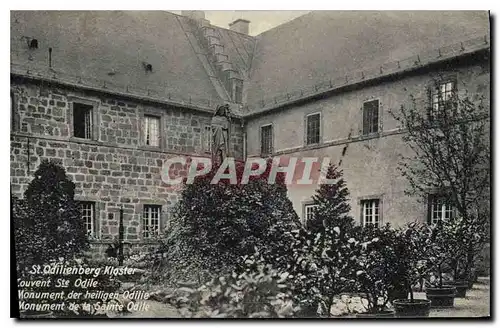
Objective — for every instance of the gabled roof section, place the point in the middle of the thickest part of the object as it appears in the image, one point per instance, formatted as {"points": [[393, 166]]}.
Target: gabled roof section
{"points": [[327, 45], [239, 48], [114, 47]]}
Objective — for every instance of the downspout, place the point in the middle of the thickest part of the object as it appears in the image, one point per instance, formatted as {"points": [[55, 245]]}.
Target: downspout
{"points": [[244, 139], [28, 153]]}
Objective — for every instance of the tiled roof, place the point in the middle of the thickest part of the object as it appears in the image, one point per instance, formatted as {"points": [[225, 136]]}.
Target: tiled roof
{"points": [[326, 45], [112, 46]]}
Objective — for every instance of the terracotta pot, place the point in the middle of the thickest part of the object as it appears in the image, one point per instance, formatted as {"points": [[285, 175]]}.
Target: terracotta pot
{"points": [[441, 296], [405, 308], [383, 314]]}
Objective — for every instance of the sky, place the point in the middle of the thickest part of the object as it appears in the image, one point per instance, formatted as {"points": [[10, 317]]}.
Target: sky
{"points": [[260, 20]]}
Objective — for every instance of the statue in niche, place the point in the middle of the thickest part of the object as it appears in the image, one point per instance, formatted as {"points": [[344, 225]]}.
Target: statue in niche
{"points": [[221, 130]]}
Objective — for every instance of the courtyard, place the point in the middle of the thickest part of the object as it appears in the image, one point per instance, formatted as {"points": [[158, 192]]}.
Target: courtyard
{"points": [[476, 304]]}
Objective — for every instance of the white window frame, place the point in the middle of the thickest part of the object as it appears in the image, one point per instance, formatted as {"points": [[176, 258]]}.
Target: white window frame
{"points": [[377, 125], [320, 132], [147, 119], [439, 209], [207, 138], [89, 121], [94, 117], [89, 217], [308, 211], [150, 228], [440, 93], [371, 212], [271, 140]]}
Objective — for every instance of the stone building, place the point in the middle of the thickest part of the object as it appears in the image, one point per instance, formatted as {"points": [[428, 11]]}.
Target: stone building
{"points": [[112, 95]]}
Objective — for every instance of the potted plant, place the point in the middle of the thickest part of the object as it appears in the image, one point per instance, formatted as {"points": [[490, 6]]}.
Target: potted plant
{"points": [[445, 255], [460, 277], [375, 274], [412, 245]]}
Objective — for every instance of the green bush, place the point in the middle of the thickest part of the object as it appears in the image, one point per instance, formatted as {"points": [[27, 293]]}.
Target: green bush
{"points": [[259, 292], [376, 267], [214, 225], [47, 222]]}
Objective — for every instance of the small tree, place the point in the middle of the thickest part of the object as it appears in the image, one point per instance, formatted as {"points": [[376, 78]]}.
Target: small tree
{"points": [[47, 222], [376, 267], [332, 204], [448, 238], [326, 252], [413, 248], [449, 139]]}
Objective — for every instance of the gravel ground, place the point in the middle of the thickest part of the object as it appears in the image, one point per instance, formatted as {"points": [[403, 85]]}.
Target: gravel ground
{"points": [[476, 304]]}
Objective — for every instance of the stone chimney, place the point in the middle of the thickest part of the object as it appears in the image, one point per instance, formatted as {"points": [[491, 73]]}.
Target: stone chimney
{"points": [[240, 25]]}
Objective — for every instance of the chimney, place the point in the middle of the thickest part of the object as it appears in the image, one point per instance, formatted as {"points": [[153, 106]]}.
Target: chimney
{"points": [[194, 14], [240, 25]]}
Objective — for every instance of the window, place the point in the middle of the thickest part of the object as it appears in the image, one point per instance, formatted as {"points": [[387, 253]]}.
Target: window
{"points": [[82, 120], [313, 128], [151, 221], [207, 138], [266, 139], [12, 114], [441, 98], [309, 211], [370, 212], [88, 215], [439, 209], [238, 91], [370, 117], [151, 128]]}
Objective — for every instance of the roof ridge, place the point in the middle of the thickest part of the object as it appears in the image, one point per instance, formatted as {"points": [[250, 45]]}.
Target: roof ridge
{"points": [[285, 23]]}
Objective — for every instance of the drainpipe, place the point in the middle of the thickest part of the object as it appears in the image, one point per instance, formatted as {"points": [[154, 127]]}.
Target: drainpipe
{"points": [[120, 238], [244, 140], [28, 157]]}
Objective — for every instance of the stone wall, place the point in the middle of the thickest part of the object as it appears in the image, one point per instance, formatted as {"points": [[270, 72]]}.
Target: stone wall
{"points": [[114, 169], [369, 163]]}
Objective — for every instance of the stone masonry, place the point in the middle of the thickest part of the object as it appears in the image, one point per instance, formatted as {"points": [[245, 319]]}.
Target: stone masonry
{"points": [[113, 169]]}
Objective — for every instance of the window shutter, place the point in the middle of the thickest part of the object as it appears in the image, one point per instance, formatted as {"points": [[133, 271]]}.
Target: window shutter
{"points": [[375, 118], [97, 219], [365, 120], [361, 213], [429, 207], [428, 102], [163, 220]]}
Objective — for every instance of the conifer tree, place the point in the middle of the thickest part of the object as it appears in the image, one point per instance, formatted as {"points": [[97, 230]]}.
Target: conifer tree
{"points": [[327, 249], [47, 222], [332, 206]]}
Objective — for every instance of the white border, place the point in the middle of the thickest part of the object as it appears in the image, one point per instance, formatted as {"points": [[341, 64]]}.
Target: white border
{"points": [[220, 5]]}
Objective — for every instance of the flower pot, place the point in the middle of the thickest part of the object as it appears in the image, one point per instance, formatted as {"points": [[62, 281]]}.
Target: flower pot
{"points": [[461, 288], [399, 294], [441, 296], [407, 308], [36, 314], [383, 314]]}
